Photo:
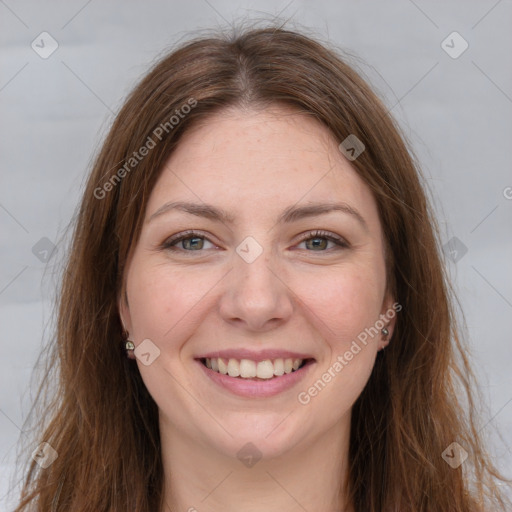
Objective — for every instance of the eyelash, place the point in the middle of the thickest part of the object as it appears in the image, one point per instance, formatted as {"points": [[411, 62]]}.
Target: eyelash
{"points": [[170, 242]]}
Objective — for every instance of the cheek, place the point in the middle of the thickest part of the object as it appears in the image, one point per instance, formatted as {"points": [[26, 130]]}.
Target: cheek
{"points": [[164, 306], [346, 305], [344, 302], [164, 301], [345, 308]]}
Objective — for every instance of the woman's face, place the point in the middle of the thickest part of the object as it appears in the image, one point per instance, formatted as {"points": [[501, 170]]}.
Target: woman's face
{"points": [[258, 287]]}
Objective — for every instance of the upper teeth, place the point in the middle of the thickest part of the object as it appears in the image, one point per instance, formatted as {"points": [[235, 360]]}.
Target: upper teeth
{"points": [[248, 369]]}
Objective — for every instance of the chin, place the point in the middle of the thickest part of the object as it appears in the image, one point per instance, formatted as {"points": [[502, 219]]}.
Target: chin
{"points": [[264, 435]]}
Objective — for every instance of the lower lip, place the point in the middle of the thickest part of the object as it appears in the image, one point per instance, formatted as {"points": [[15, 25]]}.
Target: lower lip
{"points": [[257, 388]]}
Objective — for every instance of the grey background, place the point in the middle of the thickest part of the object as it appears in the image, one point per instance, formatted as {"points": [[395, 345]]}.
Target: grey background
{"points": [[455, 111]]}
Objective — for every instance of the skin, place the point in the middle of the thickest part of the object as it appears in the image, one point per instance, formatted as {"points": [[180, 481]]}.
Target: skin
{"points": [[295, 296]]}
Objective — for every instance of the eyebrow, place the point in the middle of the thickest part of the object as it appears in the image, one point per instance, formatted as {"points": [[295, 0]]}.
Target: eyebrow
{"points": [[289, 215]]}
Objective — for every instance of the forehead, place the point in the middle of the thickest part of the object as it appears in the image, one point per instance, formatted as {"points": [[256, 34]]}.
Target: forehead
{"points": [[248, 161]]}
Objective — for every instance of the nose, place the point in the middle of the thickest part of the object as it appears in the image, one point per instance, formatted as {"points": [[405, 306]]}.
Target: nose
{"points": [[256, 295]]}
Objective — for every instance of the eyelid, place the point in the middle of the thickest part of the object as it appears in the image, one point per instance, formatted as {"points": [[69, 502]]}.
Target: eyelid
{"points": [[320, 233], [189, 233]]}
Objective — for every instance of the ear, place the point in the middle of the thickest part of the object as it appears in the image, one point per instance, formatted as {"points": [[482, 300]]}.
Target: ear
{"points": [[390, 309], [124, 311]]}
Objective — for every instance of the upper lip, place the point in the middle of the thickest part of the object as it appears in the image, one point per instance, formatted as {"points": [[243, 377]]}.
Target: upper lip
{"points": [[262, 355]]}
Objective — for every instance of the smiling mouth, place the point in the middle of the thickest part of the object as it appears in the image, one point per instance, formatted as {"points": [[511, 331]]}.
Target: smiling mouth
{"points": [[247, 369]]}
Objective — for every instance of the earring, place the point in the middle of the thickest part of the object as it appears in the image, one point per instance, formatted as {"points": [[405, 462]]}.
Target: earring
{"points": [[129, 346], [385, 333]]}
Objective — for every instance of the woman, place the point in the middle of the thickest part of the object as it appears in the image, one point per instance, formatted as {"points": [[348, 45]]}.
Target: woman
{"points": [[255, 314]]}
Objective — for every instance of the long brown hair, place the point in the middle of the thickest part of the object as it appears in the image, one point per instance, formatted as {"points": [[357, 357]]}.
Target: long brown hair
{"points": [[102, 421]]}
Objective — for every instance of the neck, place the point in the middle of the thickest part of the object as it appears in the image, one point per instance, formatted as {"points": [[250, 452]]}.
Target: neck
{"points": [[306, 477]]}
